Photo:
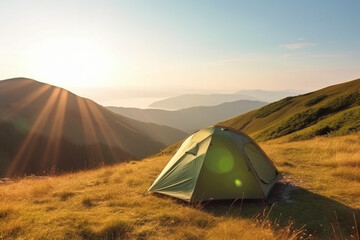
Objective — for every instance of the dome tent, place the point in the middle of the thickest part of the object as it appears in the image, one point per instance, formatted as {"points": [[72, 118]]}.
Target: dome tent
{"points": [[217, 163]]}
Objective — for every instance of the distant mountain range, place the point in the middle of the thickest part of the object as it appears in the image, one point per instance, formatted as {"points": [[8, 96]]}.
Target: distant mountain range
{"points": [[45, 128], [333, 110], [192, 100], [189, 119]]}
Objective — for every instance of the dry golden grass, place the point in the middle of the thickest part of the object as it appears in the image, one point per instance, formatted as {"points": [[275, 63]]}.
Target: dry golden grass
{"points": [[329, 166], [112, 202]]}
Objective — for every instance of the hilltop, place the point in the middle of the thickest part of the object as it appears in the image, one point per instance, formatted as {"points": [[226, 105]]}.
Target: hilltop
{"points": [[331, 110], [44, 128], [190, 119]]}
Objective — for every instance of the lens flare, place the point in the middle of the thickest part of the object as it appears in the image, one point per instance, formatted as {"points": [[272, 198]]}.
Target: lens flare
{"points": [[238, 183], [220, 160]]}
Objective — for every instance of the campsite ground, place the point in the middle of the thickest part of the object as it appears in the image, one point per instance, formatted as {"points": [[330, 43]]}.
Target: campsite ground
{"points": [[318, 198]]}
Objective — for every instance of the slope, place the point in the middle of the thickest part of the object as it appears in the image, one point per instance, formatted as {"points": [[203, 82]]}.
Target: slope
{"points": [[332, 110], [111, 202], [193, 100], [32, 113], [189, 119]]}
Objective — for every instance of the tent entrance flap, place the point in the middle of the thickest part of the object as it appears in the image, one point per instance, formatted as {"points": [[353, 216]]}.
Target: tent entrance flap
{"points": [[264, 170]]}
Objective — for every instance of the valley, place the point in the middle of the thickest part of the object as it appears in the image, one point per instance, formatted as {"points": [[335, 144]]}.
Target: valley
{"points": [[190, 119]]}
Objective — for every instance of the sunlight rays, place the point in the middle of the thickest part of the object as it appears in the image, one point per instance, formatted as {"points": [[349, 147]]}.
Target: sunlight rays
{"points": [[26, 101], [59, 131], [105, 129], [53, 147], [31, 139], [89, 129]]}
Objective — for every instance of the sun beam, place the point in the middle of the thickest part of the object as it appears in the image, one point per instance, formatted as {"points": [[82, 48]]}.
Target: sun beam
{"points": [[26, 101], [89, 130], [104, 128], [30, 140], [52, 149]]}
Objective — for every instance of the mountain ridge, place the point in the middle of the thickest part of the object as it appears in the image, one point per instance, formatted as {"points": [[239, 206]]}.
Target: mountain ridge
{"points": [[38, 110], [193, 100], [190, 119], [331, 110]]}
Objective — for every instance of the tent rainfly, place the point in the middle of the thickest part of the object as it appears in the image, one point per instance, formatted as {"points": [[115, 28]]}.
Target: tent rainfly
{"points": [[217, 163]]}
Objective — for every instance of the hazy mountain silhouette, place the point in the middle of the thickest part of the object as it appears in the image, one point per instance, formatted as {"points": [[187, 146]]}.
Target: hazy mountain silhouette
{"points": [[44, 122], [193, 100], [190, 119]]}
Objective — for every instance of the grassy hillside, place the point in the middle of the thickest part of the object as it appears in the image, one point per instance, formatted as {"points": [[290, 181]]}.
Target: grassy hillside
{"points": [[319, 198], [332, 110], [189, 119], [42, 122]]}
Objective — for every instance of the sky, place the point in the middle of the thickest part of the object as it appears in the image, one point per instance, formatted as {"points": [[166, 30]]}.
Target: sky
{"points": [[126, 52]]}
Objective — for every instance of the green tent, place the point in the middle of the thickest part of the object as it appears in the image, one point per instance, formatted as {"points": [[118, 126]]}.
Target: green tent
{"points": [[217, 163]]}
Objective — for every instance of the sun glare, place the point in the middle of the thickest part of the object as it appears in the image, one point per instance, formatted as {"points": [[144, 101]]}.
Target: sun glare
{"points": [[68, 62]]}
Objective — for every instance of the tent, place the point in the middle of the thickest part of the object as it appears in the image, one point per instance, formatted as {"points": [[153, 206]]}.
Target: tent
{"points": [[217, 163]]}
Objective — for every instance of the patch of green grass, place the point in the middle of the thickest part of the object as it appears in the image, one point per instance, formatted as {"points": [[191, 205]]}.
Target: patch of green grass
{"points": [[339, 124], [273, 107], [312, 116], [315, 100]]}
